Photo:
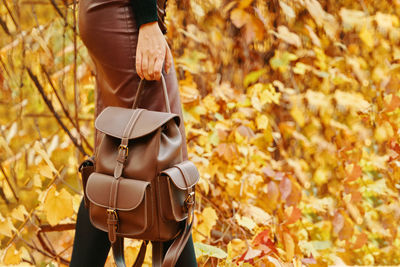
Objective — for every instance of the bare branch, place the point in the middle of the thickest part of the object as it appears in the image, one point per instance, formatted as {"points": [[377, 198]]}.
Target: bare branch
{"points": [[51, 107], [8, 182]]}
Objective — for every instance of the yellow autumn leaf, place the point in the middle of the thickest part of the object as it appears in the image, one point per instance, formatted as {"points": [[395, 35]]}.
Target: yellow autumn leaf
{"points": [[211, 104], [269, 95], [58, 205], [289, 246], [321, 176], [19, 213], [189, 93], [235, 247], [12, 255], [262, 122], [46, 171], [351, 101], [244, 3], [317, 100], [353, 19], [322, 18], [209, 219], [287, 10], [383, 132], [258, 215], [209, 216], [6, 226], [287, 36], [367, 36], [298, 115], [246, 222], [386, 22], [45, 156], [76, 201], [301, 68], [239, 17], [37, 181]]}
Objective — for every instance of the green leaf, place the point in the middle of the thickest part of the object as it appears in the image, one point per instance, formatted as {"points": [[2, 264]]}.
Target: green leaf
{"points": [[210, 251], [253, 76], [282, 60], [321, 245], [213, 138]]}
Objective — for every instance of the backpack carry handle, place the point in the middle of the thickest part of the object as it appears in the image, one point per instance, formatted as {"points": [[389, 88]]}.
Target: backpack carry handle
{"points": [[165, 92]]}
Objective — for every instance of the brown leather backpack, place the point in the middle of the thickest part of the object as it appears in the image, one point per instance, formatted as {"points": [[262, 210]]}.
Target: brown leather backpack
{"points": [[137, 184]]}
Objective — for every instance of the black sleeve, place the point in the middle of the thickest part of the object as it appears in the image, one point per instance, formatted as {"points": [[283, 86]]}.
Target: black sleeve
{"points": [[145, 11]]}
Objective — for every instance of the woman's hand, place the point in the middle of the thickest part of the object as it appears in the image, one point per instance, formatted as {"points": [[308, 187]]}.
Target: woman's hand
{"points": [[152, 49]]}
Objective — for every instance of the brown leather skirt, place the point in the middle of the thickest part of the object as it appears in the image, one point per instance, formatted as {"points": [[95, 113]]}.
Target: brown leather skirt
{"points": [[109, 31]]}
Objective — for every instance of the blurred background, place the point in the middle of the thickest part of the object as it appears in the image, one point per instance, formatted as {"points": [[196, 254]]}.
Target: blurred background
{"points": [[292, 117]]}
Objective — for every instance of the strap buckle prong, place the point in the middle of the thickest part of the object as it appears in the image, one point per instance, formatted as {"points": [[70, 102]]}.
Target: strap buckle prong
{"points": [[124, 147], [189, 201], [113, 212]]}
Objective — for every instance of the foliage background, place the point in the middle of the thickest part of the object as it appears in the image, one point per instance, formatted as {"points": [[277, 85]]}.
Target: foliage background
{"points": [[292, 117]]}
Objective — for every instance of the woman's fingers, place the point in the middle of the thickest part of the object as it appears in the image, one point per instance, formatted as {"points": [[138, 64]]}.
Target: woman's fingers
{"points": [[152, 65], [145, 67], [139, 65], [158, 67], [156, 57], [150, 70]]}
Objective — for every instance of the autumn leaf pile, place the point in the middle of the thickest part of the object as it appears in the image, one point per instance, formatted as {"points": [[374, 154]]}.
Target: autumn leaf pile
{"points": [[291, 111]]}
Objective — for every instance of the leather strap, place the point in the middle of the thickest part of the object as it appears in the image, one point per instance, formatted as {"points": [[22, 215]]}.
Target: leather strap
{"points": [[170, 258], [140, 257], [123, 148], [176, 248], [165, 92], [118, 252], [157, 255], [112, 216]]}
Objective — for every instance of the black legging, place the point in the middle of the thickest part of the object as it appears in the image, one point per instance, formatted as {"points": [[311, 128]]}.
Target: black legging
{"points": [[91, 246]]}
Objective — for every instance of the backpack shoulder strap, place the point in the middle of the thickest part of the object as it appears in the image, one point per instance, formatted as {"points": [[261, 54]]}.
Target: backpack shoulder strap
{"points": [[175, 250], [118, 253], [170, 258]]}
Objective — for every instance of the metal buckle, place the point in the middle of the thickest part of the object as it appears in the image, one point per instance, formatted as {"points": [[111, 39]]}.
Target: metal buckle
{"points": [[113, 212], [124, 147], [189, 200], [189, 203]]}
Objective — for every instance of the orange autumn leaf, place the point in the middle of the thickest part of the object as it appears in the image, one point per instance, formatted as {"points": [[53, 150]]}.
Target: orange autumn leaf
{"points": [[361, 240], [355, 173]]}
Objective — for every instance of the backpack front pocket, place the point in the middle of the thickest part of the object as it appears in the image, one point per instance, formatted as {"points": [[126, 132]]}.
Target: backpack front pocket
{"points": [[130, 199]]}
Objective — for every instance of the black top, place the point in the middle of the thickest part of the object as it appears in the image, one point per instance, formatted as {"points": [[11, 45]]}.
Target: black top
{"points": [[145, 11]]}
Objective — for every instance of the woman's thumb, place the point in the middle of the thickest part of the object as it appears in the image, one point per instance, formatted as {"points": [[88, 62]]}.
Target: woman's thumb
{"points": [[168, 59]]}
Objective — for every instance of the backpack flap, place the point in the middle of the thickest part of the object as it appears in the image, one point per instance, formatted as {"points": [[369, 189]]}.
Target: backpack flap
{"points": [[113, 120], [175, 185], [133, 202], [133, 134]]}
